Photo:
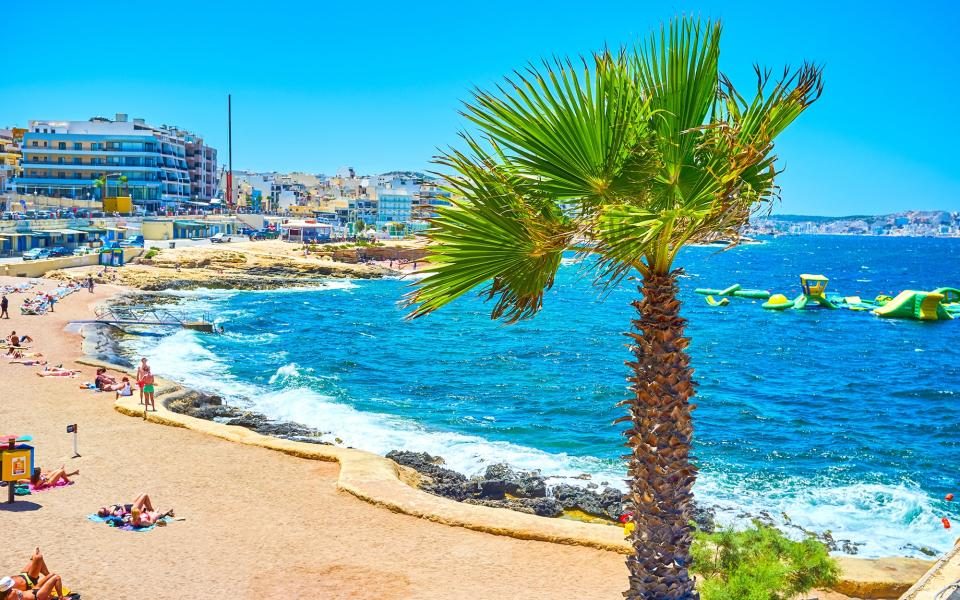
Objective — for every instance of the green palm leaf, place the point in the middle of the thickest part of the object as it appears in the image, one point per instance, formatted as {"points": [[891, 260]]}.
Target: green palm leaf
{"points": [[498, 231]]}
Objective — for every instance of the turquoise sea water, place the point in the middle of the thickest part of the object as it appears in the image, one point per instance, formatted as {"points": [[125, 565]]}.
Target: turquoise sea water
{"points": [[841, 420]]}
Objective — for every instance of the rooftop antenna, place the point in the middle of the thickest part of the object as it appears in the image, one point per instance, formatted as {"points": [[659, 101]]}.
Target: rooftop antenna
{"points": [[229, 153]]}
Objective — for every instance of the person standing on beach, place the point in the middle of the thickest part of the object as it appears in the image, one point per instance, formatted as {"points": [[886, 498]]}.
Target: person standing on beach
{"points": [[142, 370], [4, 304], [148, 388], [90, 283]]}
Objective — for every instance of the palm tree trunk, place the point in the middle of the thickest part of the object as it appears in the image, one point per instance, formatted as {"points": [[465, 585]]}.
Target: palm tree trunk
{"points": [[660, 473]]}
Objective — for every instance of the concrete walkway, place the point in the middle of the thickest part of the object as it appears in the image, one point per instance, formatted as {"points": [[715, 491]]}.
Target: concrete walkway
{"points": [[944, 572]]}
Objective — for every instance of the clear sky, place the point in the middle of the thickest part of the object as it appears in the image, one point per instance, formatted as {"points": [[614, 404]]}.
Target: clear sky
{"points": [[377, 85]]}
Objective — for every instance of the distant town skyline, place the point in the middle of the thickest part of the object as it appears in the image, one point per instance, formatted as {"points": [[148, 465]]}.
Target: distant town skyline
{"points": [[318, 88]]}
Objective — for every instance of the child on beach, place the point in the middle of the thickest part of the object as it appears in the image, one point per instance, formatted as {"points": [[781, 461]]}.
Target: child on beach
{"points": [[124, 389], [148, 387]]}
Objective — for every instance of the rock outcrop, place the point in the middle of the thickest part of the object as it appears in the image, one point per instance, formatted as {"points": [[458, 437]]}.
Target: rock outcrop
{"points": [[212, 408]]}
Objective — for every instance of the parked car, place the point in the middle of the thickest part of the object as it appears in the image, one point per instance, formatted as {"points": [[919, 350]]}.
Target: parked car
{"points": [[219, 238], [36, 254], [82, 251], [59, 251], [7, 216], [136, 241]]}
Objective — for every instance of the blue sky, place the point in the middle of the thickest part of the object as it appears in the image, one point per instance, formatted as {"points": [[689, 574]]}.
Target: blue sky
{"points": [[378, 85]]}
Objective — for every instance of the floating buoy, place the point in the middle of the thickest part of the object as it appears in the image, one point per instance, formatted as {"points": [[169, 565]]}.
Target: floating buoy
{"points": [[946, 523], [948, 497]]}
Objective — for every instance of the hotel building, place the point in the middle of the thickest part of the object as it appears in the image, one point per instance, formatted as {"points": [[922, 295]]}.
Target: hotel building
{"points": [[61, 159]]}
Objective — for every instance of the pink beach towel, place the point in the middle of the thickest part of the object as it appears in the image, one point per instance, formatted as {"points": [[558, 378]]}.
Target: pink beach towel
{"points": [[58, 485]]}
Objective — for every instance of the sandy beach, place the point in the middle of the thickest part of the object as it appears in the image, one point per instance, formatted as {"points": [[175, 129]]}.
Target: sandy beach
{"points": [[251, 522]]}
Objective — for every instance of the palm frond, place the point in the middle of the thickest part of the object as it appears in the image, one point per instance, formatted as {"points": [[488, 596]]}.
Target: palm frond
{"points": [[499, 231], [578, 128]]}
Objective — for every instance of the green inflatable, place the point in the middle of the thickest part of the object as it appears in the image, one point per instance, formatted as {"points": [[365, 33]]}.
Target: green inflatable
{"points": [[734, 290], [910, 304]]}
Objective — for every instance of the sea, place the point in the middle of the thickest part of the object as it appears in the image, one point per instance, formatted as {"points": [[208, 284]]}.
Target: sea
{"points": [[825, 420]]}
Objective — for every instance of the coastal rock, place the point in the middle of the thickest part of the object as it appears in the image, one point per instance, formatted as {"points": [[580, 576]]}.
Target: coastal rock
{"points": [[607, 504], [427, 465], [544, 507], [500, 479]]}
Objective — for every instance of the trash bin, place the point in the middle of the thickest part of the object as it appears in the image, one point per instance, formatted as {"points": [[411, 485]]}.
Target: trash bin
{"points": [[173, 244]]}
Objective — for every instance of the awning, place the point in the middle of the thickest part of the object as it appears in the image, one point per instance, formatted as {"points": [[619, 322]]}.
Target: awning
{"points": [[190, 224], [91, 229]]}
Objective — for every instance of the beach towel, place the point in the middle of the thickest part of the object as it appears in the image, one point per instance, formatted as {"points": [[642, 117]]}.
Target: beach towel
{"points": [[117, 523], [59, 484]]}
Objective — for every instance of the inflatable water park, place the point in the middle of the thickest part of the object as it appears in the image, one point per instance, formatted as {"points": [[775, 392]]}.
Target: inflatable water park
{"points": [[941, 304]]}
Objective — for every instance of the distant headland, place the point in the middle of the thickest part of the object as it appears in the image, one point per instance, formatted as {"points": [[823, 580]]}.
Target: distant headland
{"points": [[934, 223]]}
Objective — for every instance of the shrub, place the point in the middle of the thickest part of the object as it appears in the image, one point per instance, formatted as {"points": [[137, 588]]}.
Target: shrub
{"points": [[760, 563], [151, 253]]}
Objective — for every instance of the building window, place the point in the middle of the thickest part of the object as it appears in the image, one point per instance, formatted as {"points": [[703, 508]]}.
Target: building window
{"points": [[62, 146], [34, 143], [77, 160], [60, 160], [77, 146]]}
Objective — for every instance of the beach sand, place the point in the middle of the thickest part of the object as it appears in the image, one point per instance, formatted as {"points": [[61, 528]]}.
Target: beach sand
{"points": [[256, 523]]}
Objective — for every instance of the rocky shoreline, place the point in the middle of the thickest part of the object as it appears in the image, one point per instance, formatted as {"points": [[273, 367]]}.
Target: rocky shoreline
{"points": [[250, 266], [499, 486]]}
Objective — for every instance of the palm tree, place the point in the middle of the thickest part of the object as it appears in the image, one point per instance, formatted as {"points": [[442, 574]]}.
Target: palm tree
{"points": [[628, 156]]}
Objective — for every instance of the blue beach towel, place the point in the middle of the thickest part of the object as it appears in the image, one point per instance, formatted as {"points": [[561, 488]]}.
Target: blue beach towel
{"points": [[117, 523]]}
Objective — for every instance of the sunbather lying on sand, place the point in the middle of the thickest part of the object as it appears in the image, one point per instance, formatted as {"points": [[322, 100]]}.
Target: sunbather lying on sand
{"points": [[139, 514], [52, 478], [27, 361], [35, 582], [58, 372], [45, 589], [21, 353], [30, 575]]}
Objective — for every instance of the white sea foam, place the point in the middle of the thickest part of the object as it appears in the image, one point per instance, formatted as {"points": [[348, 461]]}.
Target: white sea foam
{"points": [[380, 433], [881, 519], [220, 294], [284, 373]]}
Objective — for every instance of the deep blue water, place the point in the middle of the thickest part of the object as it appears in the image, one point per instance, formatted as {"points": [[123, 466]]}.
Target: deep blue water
{"points": [[842, 420]]}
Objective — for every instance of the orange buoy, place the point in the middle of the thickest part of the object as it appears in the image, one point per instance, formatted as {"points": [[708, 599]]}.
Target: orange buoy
{"points": [[949, 497], [946, 523]]}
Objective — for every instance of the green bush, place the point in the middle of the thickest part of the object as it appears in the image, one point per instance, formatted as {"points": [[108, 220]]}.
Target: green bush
{"points": [[760, 563], [151, 253]]}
